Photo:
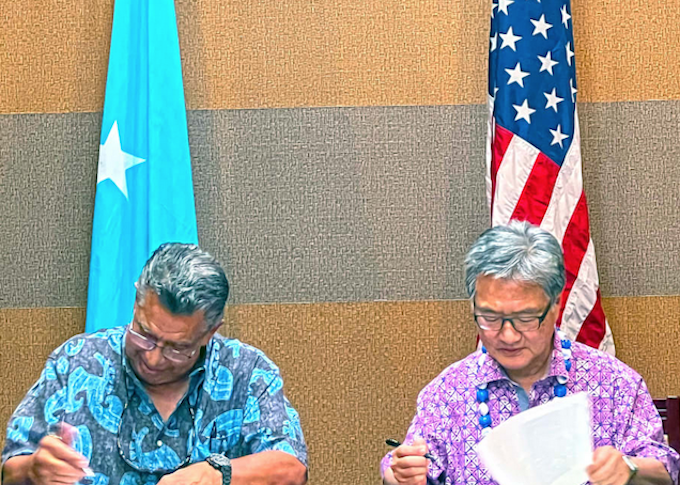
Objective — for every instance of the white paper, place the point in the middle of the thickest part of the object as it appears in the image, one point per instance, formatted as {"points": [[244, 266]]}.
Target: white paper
{"points": [[550, 444]]}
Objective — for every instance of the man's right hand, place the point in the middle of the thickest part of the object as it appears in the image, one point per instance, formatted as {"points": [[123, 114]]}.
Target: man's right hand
{"points": [[56, 462], [53, 462], [409, 466]]}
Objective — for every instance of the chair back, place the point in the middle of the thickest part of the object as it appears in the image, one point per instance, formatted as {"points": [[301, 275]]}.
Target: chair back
{"points": [[669, 410]]}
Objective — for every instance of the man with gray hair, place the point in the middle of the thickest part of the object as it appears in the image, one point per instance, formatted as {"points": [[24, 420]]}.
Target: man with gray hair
{"points": [[163, 399], [515, 277]]}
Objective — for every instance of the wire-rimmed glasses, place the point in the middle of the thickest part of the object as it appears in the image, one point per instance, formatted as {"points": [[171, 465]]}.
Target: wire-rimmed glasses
{"points": [[148, 343]]}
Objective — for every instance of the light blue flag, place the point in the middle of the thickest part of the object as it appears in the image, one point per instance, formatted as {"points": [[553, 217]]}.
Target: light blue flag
{"points": [[144, 187]]}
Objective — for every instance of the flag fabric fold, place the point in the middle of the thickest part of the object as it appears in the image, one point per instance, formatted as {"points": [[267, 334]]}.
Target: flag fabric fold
{"points": [[144, 195], [533, 149]]}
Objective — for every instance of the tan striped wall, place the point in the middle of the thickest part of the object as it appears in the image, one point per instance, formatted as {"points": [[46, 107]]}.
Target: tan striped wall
{"points": [[338, 157]]}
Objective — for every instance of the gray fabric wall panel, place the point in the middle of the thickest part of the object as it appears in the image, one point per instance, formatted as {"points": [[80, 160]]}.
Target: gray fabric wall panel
{"points": [[47, 184], [632, 179], [338, 204], [341, 204]]}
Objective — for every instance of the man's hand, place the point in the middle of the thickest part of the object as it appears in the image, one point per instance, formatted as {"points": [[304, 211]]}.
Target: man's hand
{"points": [[198, 473], [409, 466], [608, 467], [55, 461]]}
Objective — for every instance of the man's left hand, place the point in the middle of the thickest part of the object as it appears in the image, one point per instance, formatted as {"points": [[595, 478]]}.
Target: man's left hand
{"points": [[196, 474], [608, 467]]}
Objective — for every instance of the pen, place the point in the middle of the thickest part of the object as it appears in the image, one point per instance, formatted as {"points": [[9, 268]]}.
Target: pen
{"points": [[57, 431], [213, 435], [394, 443]]}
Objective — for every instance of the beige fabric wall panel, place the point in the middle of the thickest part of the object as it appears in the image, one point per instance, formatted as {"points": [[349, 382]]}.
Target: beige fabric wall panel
{"points": [[353, 370], [647, 332], [344, 53], [54, 55], [265, 53], [627, 51]]}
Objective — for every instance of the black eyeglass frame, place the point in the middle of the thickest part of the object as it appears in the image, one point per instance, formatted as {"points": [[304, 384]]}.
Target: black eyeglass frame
{"points": [[511, 319]]}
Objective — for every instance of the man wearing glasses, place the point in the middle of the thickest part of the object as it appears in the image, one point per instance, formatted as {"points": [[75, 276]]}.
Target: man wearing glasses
{"points": [[162, 400], [515, 276]]}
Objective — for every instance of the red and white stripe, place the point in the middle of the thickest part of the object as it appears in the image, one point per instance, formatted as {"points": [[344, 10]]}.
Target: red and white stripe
{"points": [[524, 184]]}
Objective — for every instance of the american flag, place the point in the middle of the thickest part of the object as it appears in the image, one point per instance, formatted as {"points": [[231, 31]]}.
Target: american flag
{"points": [[534, 153]]}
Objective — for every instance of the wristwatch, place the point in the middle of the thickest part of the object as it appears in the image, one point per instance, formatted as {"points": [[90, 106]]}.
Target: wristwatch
{"points": [[222, 464], [633, 468]]}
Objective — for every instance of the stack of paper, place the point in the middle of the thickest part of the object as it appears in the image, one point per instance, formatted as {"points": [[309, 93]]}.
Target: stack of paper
{"points": [[547, 445]]}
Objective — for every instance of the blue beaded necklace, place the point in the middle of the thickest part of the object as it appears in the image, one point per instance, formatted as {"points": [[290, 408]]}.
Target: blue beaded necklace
{"points": [[559, 389]]}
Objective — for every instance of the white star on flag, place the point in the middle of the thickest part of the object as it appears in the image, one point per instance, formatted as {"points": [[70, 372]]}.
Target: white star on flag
{"points": [[113, 161], [552, 100], [494, 42], [493, 7], [504, 4], [547, 63], [570, 53], [541, 26], [523, 111], [516, 75], [565, 16], [573, 89], [558, 136], [509, 39]]}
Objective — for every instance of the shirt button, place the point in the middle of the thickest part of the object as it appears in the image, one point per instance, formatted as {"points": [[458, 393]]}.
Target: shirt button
{"points": [[159, 443]]}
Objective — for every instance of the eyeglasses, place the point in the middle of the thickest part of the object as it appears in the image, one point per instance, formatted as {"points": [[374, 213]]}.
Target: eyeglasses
{"points": [[146, 343], [149, 471], [521, 323]]}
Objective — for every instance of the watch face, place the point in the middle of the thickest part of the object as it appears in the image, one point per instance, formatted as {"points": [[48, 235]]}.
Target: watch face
{"points": [[219, 460]]}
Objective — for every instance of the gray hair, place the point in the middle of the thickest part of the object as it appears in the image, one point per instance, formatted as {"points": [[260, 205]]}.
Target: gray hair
{"points": [[519, 251], [186, 279]]}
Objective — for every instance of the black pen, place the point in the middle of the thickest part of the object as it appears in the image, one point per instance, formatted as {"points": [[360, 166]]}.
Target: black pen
{"points": [[394, 443], [213, 435]]}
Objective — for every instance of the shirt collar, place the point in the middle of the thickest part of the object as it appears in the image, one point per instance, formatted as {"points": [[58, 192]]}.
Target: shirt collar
{"points": [[491, 371]]}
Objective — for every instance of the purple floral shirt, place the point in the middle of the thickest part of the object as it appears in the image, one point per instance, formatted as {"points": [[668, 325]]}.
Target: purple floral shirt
{"points": [[447, 414]]}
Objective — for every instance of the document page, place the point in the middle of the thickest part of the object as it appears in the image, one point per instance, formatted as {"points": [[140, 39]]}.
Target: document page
{"points": [[550, 444]]}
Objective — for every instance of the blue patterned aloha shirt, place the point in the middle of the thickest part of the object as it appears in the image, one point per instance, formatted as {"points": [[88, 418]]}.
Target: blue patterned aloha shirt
{"points": [[234, 405]]}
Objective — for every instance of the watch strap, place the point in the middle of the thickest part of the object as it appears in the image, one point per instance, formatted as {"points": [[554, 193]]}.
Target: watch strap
{"points": [[222, 464], [632, 466]]}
